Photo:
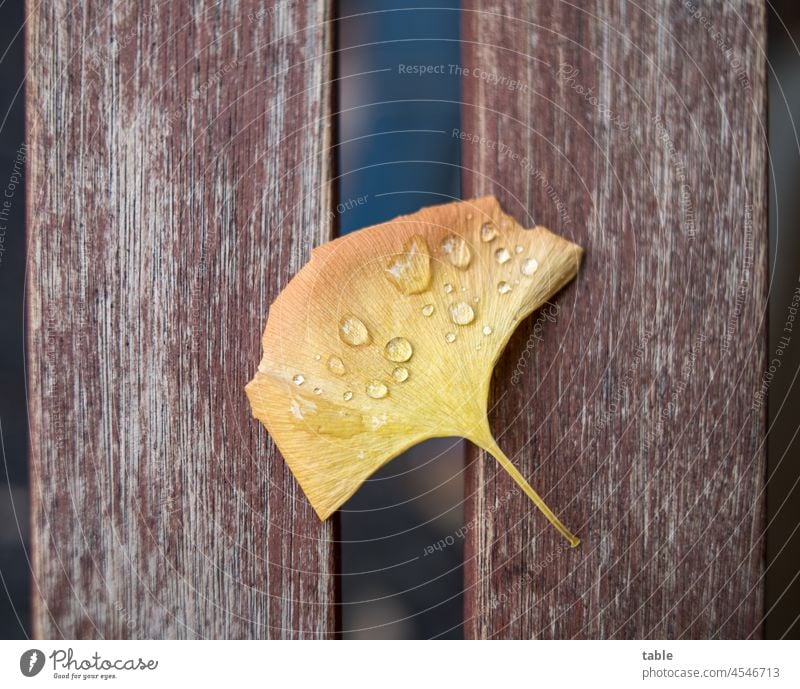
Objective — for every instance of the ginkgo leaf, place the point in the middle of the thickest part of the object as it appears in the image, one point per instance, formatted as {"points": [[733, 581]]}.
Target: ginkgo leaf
{"points": [[389, 336]]}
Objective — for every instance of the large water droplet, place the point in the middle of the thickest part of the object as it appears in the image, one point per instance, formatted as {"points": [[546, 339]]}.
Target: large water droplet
{"points": [[410, 271], [488, 232], [299, 379], [450, 337], [353, 332], [400, 374], [448, 288], [427, 310], [487, 329], [462, 313], [347, 396], [457, 251], [398, 349], [336, 366], [529, 266], [502, 256], [503, 287], [377, 390]]}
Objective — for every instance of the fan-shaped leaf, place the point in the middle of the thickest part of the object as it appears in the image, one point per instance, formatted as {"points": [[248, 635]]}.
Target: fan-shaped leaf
{"points": [[389, 336]]}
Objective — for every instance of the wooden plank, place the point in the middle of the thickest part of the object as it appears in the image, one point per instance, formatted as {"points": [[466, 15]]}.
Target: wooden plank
{"points": [[179, 176], [639, 132]]}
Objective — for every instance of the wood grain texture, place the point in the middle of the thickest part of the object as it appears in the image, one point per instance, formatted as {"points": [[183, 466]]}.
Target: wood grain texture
{"points": [[179, 176], [637, 131]]}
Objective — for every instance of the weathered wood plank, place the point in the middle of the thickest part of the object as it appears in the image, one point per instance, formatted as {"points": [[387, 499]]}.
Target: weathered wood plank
{"points": [[639, 132], [179, 176]]}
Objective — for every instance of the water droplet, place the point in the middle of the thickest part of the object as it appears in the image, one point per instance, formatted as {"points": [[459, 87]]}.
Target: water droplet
{"points": [[296, 410], [448, 287], [319, 416], [347, 396], [353, 332], [377, 390], [336, 365], [518, 248], [450, 337], [317, 391], [400, 374], [502, 256], [461, 313], [317, 357], [478, 346], [299, 379], [529, 266], [469, 216], [503, 287], [488, 232], [476, 299], [410, 271], [457, 251], [398, 349], [487, 329], [427, 310]]}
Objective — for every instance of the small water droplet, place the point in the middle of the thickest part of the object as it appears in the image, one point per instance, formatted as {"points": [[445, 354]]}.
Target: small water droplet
{"points": [[502, 256], [488, 232], [336, 366], [398, 349], [462, 313], [427, 310], [476, 299], [296, 410], [503, 287], [518, 249], [299, 379], [410, 271], [347, 396], [469, 216], [317, 391], [457, 251], [487, 329], [400, 374], [529, 266], [353, 332], [478, 346], [448, 288], [450, 337], [377, 390], [317, 357]]}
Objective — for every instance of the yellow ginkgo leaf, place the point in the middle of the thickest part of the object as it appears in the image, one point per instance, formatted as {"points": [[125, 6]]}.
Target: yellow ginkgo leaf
{"points": [[389, 336]]}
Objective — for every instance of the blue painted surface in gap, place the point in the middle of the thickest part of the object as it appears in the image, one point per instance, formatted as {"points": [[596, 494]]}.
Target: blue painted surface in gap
{"points": [[398, 101]]}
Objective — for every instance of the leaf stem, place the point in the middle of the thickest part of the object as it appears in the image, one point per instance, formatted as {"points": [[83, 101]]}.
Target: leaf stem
{"points": [[491, 446]]}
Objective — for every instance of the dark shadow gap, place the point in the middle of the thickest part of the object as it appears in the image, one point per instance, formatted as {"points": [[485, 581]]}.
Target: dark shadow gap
{"points": [[397, 100]]}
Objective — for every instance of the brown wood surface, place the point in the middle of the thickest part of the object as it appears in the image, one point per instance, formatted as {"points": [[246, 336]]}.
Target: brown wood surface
{"points": [[179, 176], [637, 413]]}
